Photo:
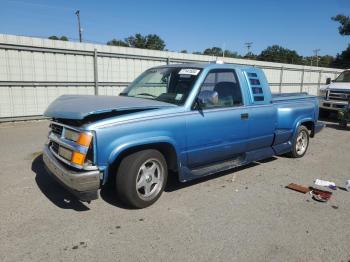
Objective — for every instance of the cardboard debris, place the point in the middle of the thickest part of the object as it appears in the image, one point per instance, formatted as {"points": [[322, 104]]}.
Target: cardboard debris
{"points": [[298, 188]]}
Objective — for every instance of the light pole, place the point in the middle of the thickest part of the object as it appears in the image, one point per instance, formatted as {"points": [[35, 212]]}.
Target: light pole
{"points": [[316, 54], [248, 46], [79, 27]]}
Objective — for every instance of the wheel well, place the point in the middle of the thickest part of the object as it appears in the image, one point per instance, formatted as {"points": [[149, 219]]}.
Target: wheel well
{"points": [[167, 150], [310, 125]]}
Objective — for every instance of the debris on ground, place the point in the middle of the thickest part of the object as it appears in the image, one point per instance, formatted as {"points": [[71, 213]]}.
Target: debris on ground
{"points": [[299, 188], [347, 185], [320, 195], [325, 183]]}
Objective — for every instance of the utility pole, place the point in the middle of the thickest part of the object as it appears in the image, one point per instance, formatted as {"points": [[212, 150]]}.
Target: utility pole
{"points": [[79, 27], [248, 45], [316, 51]]}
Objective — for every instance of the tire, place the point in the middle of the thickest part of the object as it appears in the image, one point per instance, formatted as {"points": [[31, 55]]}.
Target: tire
{"points": [[300, 142], [343, 123], [141, 178]]}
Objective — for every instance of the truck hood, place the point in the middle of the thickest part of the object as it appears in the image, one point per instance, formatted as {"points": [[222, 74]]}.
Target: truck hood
{"points": [[337, 86], [79, 107]]}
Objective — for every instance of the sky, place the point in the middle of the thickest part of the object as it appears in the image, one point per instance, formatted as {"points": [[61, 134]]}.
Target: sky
{"points": [[193, 25]]}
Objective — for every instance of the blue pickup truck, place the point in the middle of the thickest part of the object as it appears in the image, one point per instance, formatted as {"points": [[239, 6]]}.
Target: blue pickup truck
{"points": [[191, 119]]}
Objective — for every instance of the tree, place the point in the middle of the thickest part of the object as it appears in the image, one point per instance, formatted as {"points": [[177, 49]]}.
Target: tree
{"points": [[343, 60], [214, 51], [250, 55], [197, 53], [344, 28], [184, 51], [116, 42], [231, 54], [150, 41], [53, 37], [62, 38], [326, 61], [280, 54]]}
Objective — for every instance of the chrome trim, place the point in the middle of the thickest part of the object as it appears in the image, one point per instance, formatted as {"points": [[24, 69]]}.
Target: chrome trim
{"points": [[65, 126], [84, 167], [71, 145], [68, 144], [83, 184]]}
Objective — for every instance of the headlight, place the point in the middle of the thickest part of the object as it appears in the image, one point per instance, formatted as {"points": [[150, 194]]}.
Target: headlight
{"points": [[83, 139], [322, 92], [71, 135]]}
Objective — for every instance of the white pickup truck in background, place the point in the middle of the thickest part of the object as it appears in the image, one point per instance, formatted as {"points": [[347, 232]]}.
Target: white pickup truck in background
{"points": [[335, 95]]}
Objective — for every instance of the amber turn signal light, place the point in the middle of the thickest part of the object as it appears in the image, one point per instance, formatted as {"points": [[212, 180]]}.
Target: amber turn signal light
{"points": [[78, 158], [84, 139]]}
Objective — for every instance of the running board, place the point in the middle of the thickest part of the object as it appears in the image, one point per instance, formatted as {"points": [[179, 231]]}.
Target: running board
{"points": [[218, 167]]}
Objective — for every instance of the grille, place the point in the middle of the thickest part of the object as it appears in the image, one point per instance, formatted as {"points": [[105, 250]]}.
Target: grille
{"points": [[56, 129], [54, 147], [339, 95]]}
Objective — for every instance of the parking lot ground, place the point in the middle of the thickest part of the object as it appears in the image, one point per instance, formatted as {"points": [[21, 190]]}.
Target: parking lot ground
{"points": [[245, 214]]}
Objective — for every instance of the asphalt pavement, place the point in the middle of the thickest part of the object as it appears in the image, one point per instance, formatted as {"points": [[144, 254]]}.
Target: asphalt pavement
{"points": [[245, 214]]}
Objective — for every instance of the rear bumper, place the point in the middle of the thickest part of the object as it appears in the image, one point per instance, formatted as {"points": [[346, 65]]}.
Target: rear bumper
{"points": [[84, 185], [333, 104]]}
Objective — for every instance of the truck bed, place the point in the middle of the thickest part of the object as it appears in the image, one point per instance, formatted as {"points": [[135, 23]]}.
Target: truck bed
{"points": [[290, 96]]}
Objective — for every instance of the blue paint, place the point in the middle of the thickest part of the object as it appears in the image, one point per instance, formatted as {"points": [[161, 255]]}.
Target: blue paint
{"points": [[201, 138]]}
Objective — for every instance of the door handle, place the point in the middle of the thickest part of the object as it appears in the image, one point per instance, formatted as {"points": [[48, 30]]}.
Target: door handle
{"points": [[244, 116]]}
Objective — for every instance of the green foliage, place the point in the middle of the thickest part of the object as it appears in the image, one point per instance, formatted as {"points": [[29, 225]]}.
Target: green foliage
{"points": [[150, 41], [343, 59], [62, 38], [116, 42], [184, 51], [251, 56], [232, 54], [344, 28], [214, 51], [280, 54]]}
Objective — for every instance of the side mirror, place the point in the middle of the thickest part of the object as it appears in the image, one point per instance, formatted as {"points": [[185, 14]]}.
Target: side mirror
{"points": [[208, 98], [328, 81]]}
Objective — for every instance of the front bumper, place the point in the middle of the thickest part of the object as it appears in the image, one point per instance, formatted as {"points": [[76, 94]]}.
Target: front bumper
{"points": [[84, 185], [333, 104]]}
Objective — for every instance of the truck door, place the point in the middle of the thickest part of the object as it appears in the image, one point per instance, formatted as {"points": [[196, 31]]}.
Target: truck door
{"points": [[218, 132], [262, 113]]}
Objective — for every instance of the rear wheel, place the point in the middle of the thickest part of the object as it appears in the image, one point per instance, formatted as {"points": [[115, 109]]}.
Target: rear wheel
{"points": [[141, 178], [300, 143]]}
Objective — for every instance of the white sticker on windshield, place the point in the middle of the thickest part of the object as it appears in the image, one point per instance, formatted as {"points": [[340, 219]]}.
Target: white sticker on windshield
{"points": [[178, 97], [189, 71]]}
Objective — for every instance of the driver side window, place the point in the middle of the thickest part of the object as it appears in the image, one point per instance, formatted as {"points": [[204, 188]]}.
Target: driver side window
{"points": [[225, 83]]}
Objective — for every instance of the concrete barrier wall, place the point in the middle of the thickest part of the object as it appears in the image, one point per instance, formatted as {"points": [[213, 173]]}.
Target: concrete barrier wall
{"points": [[35, 71]]}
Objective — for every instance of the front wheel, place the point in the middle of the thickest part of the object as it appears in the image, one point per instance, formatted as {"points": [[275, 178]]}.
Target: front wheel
{"points": [[300, 142], [141, 178]]}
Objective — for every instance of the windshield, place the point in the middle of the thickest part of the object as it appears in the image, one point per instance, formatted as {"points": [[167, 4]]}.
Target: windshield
{"points": [[168, 84], [343, 77]]}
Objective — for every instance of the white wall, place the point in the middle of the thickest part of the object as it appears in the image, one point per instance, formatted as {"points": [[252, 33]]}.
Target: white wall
{"points": [[35, 71]]}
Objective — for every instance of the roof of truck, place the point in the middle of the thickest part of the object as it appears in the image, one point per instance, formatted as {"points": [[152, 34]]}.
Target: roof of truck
{"points": [[205, 65]]}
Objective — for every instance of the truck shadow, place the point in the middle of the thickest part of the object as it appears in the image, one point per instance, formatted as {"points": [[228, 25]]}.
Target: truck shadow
{"points": [[52, 190], [65, 200], [174, 184]]}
